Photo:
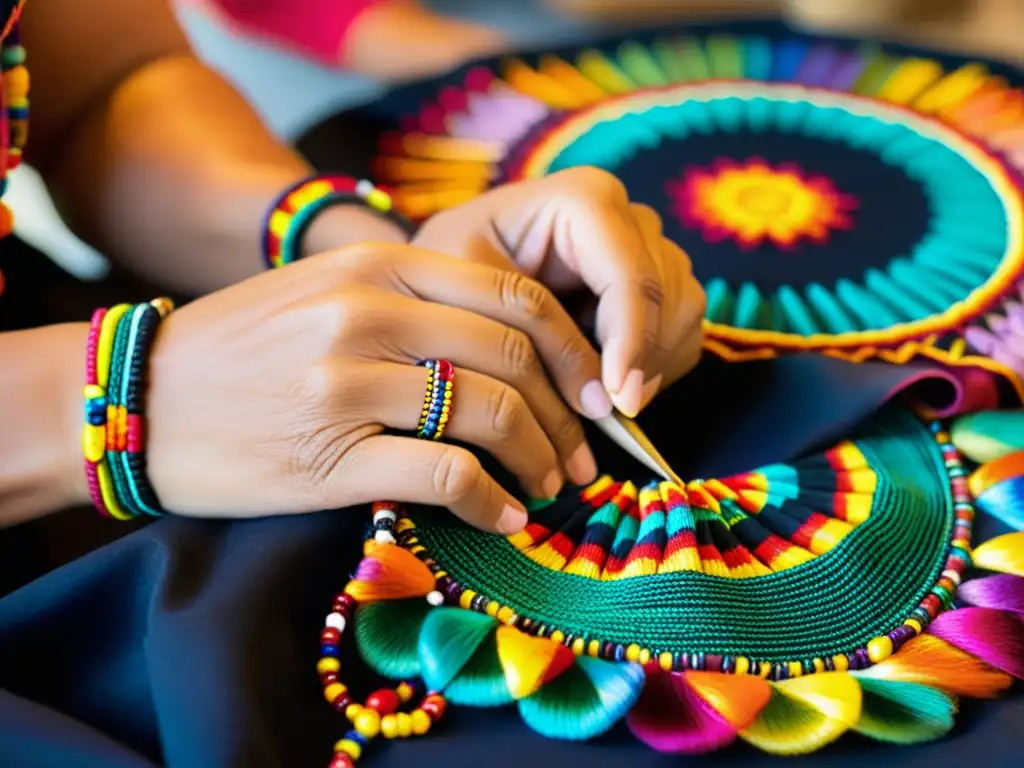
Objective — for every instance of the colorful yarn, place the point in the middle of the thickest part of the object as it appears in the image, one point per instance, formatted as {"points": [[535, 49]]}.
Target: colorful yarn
{"points": [[113, 442], [294, 210], [989, 435], [792, 266], [998, 488], [15, 110], [437, 402]]}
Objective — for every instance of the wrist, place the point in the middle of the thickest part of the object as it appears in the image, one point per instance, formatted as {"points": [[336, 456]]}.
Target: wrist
{"points": [[41, 470], [344, 225]]}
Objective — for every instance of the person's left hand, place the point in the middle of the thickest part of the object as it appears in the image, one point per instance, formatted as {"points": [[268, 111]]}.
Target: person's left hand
{"points": [[577, 229]]}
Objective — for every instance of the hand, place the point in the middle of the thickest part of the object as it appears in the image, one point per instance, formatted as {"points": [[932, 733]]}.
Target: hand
{"points": [[275, 395], [400, 39], [577, 229]]}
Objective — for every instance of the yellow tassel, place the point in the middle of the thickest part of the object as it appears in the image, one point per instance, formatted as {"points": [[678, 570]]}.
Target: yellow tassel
{"points": [[931, 661], [389, 572], [806, 713], [1004, 554], [529, 662]]}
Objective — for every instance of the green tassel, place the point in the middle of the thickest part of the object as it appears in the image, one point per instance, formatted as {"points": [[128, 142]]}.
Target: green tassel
{"points": [[989, 435], [449, 639], [904, 713], [585, 700], [481, 683], [386, 635]]}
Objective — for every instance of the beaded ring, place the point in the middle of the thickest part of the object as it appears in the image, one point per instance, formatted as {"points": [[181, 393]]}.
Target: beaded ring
{"points": [[295, 209], [113, 443], [437, 402]]}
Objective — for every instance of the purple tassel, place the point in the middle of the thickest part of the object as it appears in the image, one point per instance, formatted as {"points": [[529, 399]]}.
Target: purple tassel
{"points": [[996, 637], [672, 717], [1003, 592]]}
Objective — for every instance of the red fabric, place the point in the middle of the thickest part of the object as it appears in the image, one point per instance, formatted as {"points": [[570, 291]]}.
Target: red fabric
{"points": [[317, 28]]}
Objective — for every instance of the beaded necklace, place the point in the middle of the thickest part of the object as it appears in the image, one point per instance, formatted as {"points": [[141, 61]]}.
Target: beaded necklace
{"points": [[14, 115]]}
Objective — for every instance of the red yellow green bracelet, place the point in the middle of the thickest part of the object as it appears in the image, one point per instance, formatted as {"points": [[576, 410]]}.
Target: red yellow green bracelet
{"points": [[296, 208]]}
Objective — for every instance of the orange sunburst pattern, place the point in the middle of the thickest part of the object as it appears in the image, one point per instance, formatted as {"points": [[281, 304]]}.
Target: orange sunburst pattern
{"points": [[754, 202]]}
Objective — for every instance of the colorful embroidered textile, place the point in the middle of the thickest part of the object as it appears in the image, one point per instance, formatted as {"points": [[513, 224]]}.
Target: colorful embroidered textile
{"points": [[857, 200]]}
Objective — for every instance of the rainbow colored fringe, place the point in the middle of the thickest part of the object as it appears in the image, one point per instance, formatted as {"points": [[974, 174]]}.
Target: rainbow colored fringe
{"points": [[479, 652]]}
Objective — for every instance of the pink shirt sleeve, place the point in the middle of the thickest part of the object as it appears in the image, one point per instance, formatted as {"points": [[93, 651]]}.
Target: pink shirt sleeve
{"points": [[317, 28]]}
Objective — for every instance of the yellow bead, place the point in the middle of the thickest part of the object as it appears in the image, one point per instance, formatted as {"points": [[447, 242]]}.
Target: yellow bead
{"points": [[879, 648], [404, 524], [420, 722], [579, 645], [93, 390], [350, 748], [795, 668], [333, 691], [505, 614], [328, 664], [466, 599], [840, 662], [492, 609], [352, 711], [94, 442], [665, 661], [404, 725], [819, 665], [379, 200], [742, 665], [645, 656], [389, 726], [558, 636], [594, 648], [914, 624], [404, 691], [367, 723], [16, 82], [632, 652], [765, 669]]}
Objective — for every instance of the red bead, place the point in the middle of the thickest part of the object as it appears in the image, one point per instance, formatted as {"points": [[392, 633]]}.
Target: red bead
{"points": [[384, 701], [434, 705], [341, 760], [445, 371], [328, 677], [341, 703], [330, 636], [344, 604], [932, 604]]}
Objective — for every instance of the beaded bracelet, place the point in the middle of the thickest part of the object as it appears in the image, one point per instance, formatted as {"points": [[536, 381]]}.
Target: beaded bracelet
{"points": [[112, 437], [296, 208]]}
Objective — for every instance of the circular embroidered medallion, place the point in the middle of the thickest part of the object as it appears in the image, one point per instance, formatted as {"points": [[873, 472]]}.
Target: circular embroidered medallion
{"points": [[860, 204]]}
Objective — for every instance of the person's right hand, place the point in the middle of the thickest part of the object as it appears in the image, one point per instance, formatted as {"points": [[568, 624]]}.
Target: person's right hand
{"points": [[277, 395]]}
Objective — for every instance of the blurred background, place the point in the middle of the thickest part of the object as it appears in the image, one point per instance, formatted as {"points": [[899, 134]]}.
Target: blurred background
{"points": [[292, 92]]}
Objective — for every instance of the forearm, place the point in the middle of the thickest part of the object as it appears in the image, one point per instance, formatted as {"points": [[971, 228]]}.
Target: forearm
{"points": [[172, 173], [41, 417]]}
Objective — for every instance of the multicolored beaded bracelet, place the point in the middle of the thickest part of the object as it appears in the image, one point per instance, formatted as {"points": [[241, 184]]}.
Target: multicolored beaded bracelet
{"points": [[295, 209], [437, 403], [112, 436]]}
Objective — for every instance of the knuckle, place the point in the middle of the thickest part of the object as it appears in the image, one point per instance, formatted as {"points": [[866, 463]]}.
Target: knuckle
{"points": [[567, 429], [526, 297], [652, 290], [346, 316], [518, 354], [507, 409], [599, 184], [455, 475], [572, 355]]}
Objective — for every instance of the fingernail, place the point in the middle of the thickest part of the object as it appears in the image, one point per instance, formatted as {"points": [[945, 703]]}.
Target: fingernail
{"points": [[512, 520], [628, 398], [595, 401], [581, 466], [651, 389], [552, 484]]}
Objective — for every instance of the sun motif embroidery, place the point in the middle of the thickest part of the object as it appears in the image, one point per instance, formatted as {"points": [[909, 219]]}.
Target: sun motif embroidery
{"points": [[753, 202]]}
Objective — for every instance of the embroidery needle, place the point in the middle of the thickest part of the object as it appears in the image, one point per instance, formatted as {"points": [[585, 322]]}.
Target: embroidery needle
{"points": [[627, 435]]}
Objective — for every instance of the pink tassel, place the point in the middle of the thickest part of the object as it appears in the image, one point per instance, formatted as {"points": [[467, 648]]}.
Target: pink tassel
{"points": [[995, 637], [672, 717], [1003, 592]]}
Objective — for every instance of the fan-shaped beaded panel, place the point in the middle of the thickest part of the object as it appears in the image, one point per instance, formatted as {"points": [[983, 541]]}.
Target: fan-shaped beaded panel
{"points": [[832, 197], [805, 563]]}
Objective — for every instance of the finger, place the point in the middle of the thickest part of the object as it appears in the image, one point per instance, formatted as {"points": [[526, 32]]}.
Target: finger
{"points": [[513, 300], [485, 412], [428, 473], [599, 234], [416, 330]]}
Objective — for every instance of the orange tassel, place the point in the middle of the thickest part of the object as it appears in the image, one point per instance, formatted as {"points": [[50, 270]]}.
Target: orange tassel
{"points": [[390, 572], [737, 698], [929, 660]]}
